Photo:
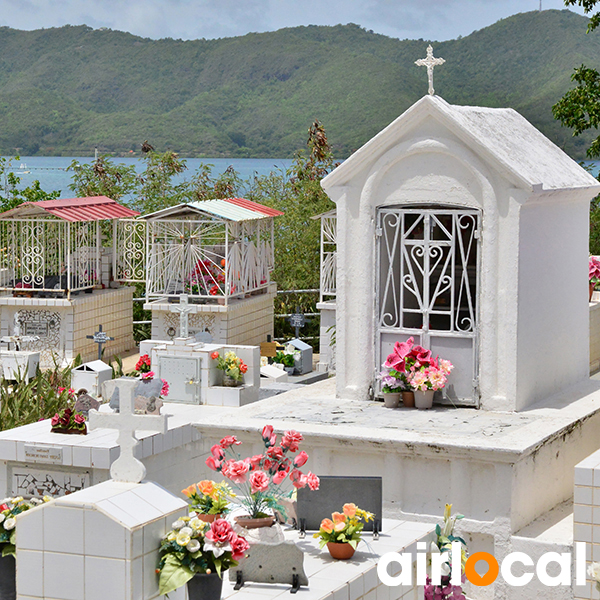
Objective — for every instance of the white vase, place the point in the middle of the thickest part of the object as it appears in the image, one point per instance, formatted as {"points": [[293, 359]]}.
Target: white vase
{"points": [[424, 399], [391, 400]]}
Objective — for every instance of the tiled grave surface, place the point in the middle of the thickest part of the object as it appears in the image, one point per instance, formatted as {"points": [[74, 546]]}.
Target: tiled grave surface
{"points": [[354, 579], [96, 544], [586, 516], [166, 456]]}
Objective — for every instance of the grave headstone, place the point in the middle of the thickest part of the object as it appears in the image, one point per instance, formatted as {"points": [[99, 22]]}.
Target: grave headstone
{"points": [[184, 309], [304, 361], [127, 467], [271, 559], [85, 403], [333, 493]]}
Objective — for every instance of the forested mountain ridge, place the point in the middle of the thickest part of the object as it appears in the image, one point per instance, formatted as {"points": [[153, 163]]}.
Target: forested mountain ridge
{"points": [[66, 90]]}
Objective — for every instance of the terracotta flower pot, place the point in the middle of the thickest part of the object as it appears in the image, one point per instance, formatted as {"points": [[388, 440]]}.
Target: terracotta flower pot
{"points": [[208, 518], [408, 399], [391, 400], [340, 551], [204, 586], [424, 400], [250, 523]]}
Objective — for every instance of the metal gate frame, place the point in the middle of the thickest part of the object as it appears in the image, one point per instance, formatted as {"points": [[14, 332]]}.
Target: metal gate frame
{"points": [[424, 334]]}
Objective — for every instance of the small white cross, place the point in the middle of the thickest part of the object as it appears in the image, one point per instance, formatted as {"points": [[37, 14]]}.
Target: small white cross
{"points": [[127, 467], [183, 308], [430, 63]]}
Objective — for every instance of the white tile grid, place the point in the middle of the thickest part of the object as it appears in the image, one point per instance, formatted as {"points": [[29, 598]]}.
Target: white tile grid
{"points": [[586, 516], [338, 580]]}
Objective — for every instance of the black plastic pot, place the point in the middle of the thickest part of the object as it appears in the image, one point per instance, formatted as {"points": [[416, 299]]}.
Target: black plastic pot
{"points": [[8, 584], [203, 587]]}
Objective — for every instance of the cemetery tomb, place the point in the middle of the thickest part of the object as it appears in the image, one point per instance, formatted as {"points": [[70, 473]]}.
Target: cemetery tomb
{"points": [[219, 253], [466, 229], [56, 278], [90, 377]]}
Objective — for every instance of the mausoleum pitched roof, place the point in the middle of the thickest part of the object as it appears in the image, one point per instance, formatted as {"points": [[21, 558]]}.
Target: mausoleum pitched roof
{"points": [[500, 136], [230, 209], [94, 208]]}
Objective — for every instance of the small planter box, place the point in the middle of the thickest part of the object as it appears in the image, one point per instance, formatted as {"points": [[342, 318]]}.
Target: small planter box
{"points": [[19, 362]]}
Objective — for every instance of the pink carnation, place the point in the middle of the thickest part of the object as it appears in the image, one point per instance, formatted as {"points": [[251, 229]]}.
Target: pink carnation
{"points": [[239, 547], [313, 481], [259, 482], [291, 440]]}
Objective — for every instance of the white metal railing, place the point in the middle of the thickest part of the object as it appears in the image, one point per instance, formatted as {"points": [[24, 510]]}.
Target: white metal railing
{"points": [[328, 273], [49, 255]]}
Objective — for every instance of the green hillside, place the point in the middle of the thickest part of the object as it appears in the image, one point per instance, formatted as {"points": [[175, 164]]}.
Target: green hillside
{"points": [[69, 89]]}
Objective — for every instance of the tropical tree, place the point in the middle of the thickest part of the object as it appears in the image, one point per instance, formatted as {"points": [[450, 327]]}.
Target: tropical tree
{"points": [[10, 194], [579, 109]]}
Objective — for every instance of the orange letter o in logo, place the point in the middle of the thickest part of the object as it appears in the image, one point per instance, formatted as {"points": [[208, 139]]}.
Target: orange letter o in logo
{"points": [[474, 577]]}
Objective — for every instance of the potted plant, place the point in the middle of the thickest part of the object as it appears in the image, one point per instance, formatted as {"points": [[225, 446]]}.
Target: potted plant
{"points": [[391, 387], [263, 480], [209, 500], [68, 421], [287, 359], [443, 543], [196, 553], [594, 271], [419, 370], [343, 531], [9, 509], [232, 366]]}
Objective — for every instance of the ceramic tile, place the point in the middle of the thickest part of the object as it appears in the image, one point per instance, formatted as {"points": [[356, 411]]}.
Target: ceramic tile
{"points": [[63, 576], [154, 532], [29, 573], [150, 580], [8, 450], [63, 529], [82, 456], [160, 498], [105, 578], [30, 530], [101, 458], [103, 536], [583, 495]]}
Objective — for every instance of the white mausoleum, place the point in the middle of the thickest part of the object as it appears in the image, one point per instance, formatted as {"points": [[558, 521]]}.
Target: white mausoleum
{"points": [[467, 229]]}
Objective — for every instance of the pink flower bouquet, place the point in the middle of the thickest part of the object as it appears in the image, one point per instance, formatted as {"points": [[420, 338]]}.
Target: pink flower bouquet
{"points": [[415, 368], [264, 479]]}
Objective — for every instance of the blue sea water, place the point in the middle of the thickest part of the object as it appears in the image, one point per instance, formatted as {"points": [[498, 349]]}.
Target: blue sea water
{"points": [[51, 171]]}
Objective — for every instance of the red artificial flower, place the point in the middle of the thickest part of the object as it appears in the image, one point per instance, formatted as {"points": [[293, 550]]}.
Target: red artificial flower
{"points": [[239, 547], [298, 479], [267, 432], [396, 360], [229, 440], [279, 477], [255, 461], [214, 465], [214, 355], [243, 368], [291, 440], [301, 459], [275, 452], [217, 452], [313, 481], [79, 419], [55, 420], [237, 471], [259, 482], [220, 532]]}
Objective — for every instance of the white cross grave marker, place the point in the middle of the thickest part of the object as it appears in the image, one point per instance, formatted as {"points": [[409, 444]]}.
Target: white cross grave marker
{"points": [[183, 308], [127, 467], [430, 62]]}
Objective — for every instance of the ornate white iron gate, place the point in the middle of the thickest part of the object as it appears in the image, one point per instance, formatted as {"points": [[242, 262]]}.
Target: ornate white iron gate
{"points": [[130, 252], [428, 272]]}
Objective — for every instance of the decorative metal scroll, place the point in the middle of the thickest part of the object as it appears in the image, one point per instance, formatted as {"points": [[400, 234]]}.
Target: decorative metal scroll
{"points": [[130, 249], [328, 255], [428, 276], [208, 258]]}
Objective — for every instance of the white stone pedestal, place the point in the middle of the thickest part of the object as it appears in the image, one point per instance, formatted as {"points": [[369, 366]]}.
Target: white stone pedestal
{"points": [[244, 321], [62, 324]]}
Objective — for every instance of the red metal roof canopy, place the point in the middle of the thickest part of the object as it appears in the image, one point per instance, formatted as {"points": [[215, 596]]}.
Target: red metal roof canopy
{"points": [[254, 206], [94, 208]]}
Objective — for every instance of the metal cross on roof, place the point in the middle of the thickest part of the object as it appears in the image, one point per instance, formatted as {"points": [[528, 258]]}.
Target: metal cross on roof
{"points": [[430, 62], [127, 467], [183, 309]]}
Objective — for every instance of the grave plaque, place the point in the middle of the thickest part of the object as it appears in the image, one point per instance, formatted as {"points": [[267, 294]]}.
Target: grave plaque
{"points": [[146, 397], [85, 403], [36, 328], [43, 454], [333, 493]]}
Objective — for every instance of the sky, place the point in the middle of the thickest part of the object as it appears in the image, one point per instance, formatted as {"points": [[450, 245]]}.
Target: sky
{"points": [[192, 19]]}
